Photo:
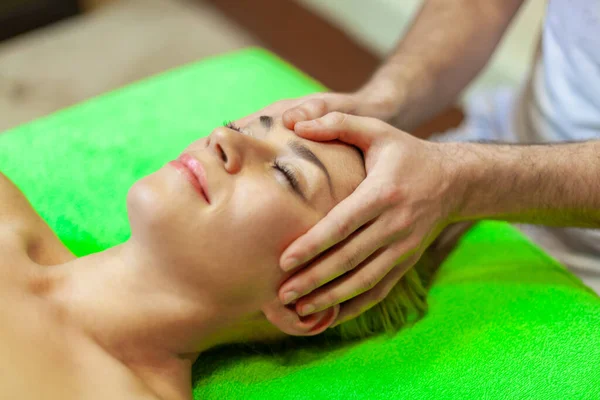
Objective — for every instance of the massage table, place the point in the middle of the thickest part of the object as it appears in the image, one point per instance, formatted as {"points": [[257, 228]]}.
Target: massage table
{"points": [[505, 321]]}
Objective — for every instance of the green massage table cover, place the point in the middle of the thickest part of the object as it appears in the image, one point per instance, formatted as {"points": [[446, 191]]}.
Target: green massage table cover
{"points": [[505, 320]]}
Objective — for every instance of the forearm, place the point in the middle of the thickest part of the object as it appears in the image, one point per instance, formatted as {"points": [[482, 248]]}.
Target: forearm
{"points": [[446, 46], [553, 184]]}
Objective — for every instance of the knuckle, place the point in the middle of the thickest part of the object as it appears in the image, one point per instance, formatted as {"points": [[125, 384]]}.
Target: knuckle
{"points": [[312, 249], [349, 261], [317, 106], [342, 228], [368, 281], [297, 108], [312, 282], [390, 194], [336, 118], [300, 112], [411, 244], [330, 298], [400, 227]]}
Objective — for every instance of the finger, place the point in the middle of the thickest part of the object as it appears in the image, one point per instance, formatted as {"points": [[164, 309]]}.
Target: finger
{"points": [[316, 108], [338, 261], [363, 279], [308, 110], [346, 217], [359, 131], [359, 304]]}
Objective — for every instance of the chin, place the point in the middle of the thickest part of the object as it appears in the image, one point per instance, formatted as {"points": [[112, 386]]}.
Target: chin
{"points": [[149, 204]]}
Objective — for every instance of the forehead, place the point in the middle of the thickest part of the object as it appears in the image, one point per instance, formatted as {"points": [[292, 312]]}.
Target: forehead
{"points": [[344, 162]]}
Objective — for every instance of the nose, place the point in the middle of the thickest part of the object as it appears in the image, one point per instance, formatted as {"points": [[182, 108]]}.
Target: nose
{"points": [[236, 150]]}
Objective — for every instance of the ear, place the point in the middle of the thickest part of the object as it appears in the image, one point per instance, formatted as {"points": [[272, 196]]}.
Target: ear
{"points": [[288, 321]]}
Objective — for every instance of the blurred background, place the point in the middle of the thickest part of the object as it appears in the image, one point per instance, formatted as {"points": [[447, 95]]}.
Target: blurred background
{"points": [[56, 53]]}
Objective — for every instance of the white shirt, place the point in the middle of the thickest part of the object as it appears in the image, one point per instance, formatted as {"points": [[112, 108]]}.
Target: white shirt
{"points": [[560, 101]]}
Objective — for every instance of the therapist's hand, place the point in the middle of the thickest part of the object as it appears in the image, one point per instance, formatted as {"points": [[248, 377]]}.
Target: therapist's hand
{"points": [[364, 102], [364, 245]]}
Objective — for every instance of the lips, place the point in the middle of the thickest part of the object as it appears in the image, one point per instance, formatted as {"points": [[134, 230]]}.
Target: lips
{"points": [[194, 171]]}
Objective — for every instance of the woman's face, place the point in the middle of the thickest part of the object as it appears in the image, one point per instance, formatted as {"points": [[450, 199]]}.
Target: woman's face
{"points": [[265, 186]]}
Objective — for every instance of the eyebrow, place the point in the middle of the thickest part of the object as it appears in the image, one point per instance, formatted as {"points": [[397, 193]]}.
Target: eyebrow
{"points": [[304, 152], [266, 121]]}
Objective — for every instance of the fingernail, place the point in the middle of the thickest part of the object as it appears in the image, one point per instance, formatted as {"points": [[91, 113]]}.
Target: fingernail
{"points": [[290, 296], [289, 263], [307, 309]]}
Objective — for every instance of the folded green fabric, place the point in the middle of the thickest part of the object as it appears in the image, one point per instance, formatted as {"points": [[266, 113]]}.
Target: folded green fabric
{"points": [[505, 320]]}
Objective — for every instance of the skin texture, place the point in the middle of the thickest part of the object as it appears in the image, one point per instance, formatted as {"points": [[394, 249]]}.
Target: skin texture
{"points": [[454, 182], [386, 209], [192, 276], [550, 184], [448, 43]]}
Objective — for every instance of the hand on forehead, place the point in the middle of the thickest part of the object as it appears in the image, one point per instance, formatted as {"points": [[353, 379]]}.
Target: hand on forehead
{"points": [[343, 163]]}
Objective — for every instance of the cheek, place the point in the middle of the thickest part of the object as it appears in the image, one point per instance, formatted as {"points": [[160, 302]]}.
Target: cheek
{"points": [[272, 216], [252, 229]]}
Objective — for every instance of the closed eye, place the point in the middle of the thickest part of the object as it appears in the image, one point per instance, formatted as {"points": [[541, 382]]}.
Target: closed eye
{"points": [[290, 176], [287, 172]]}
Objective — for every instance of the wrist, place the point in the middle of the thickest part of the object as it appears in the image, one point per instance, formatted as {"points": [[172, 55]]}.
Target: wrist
{"points": [[467, 173]]}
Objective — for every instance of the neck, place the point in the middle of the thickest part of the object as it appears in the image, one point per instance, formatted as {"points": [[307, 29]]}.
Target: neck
{"points": [[130, 306]]}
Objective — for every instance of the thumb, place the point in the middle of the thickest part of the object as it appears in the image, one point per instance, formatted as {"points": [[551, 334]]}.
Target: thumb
{"points": [[351, 129]]}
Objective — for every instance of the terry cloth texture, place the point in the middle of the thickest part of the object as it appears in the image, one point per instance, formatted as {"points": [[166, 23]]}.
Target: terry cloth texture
{"points": [[505, 320]]}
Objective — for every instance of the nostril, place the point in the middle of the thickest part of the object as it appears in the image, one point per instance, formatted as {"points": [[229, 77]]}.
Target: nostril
{"points": [[222, 153]]}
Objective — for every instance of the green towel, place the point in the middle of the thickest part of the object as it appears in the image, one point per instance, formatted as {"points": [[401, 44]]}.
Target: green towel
{"points": [[505, 320]]}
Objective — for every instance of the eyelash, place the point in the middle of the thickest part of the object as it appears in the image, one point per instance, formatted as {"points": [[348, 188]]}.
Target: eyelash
{"points": [[289, 174], [231, 125], [285, 170]]}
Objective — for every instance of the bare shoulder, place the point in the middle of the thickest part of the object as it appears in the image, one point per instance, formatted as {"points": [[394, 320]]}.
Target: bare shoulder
{"points": [[43, 358], [23, 229]]}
